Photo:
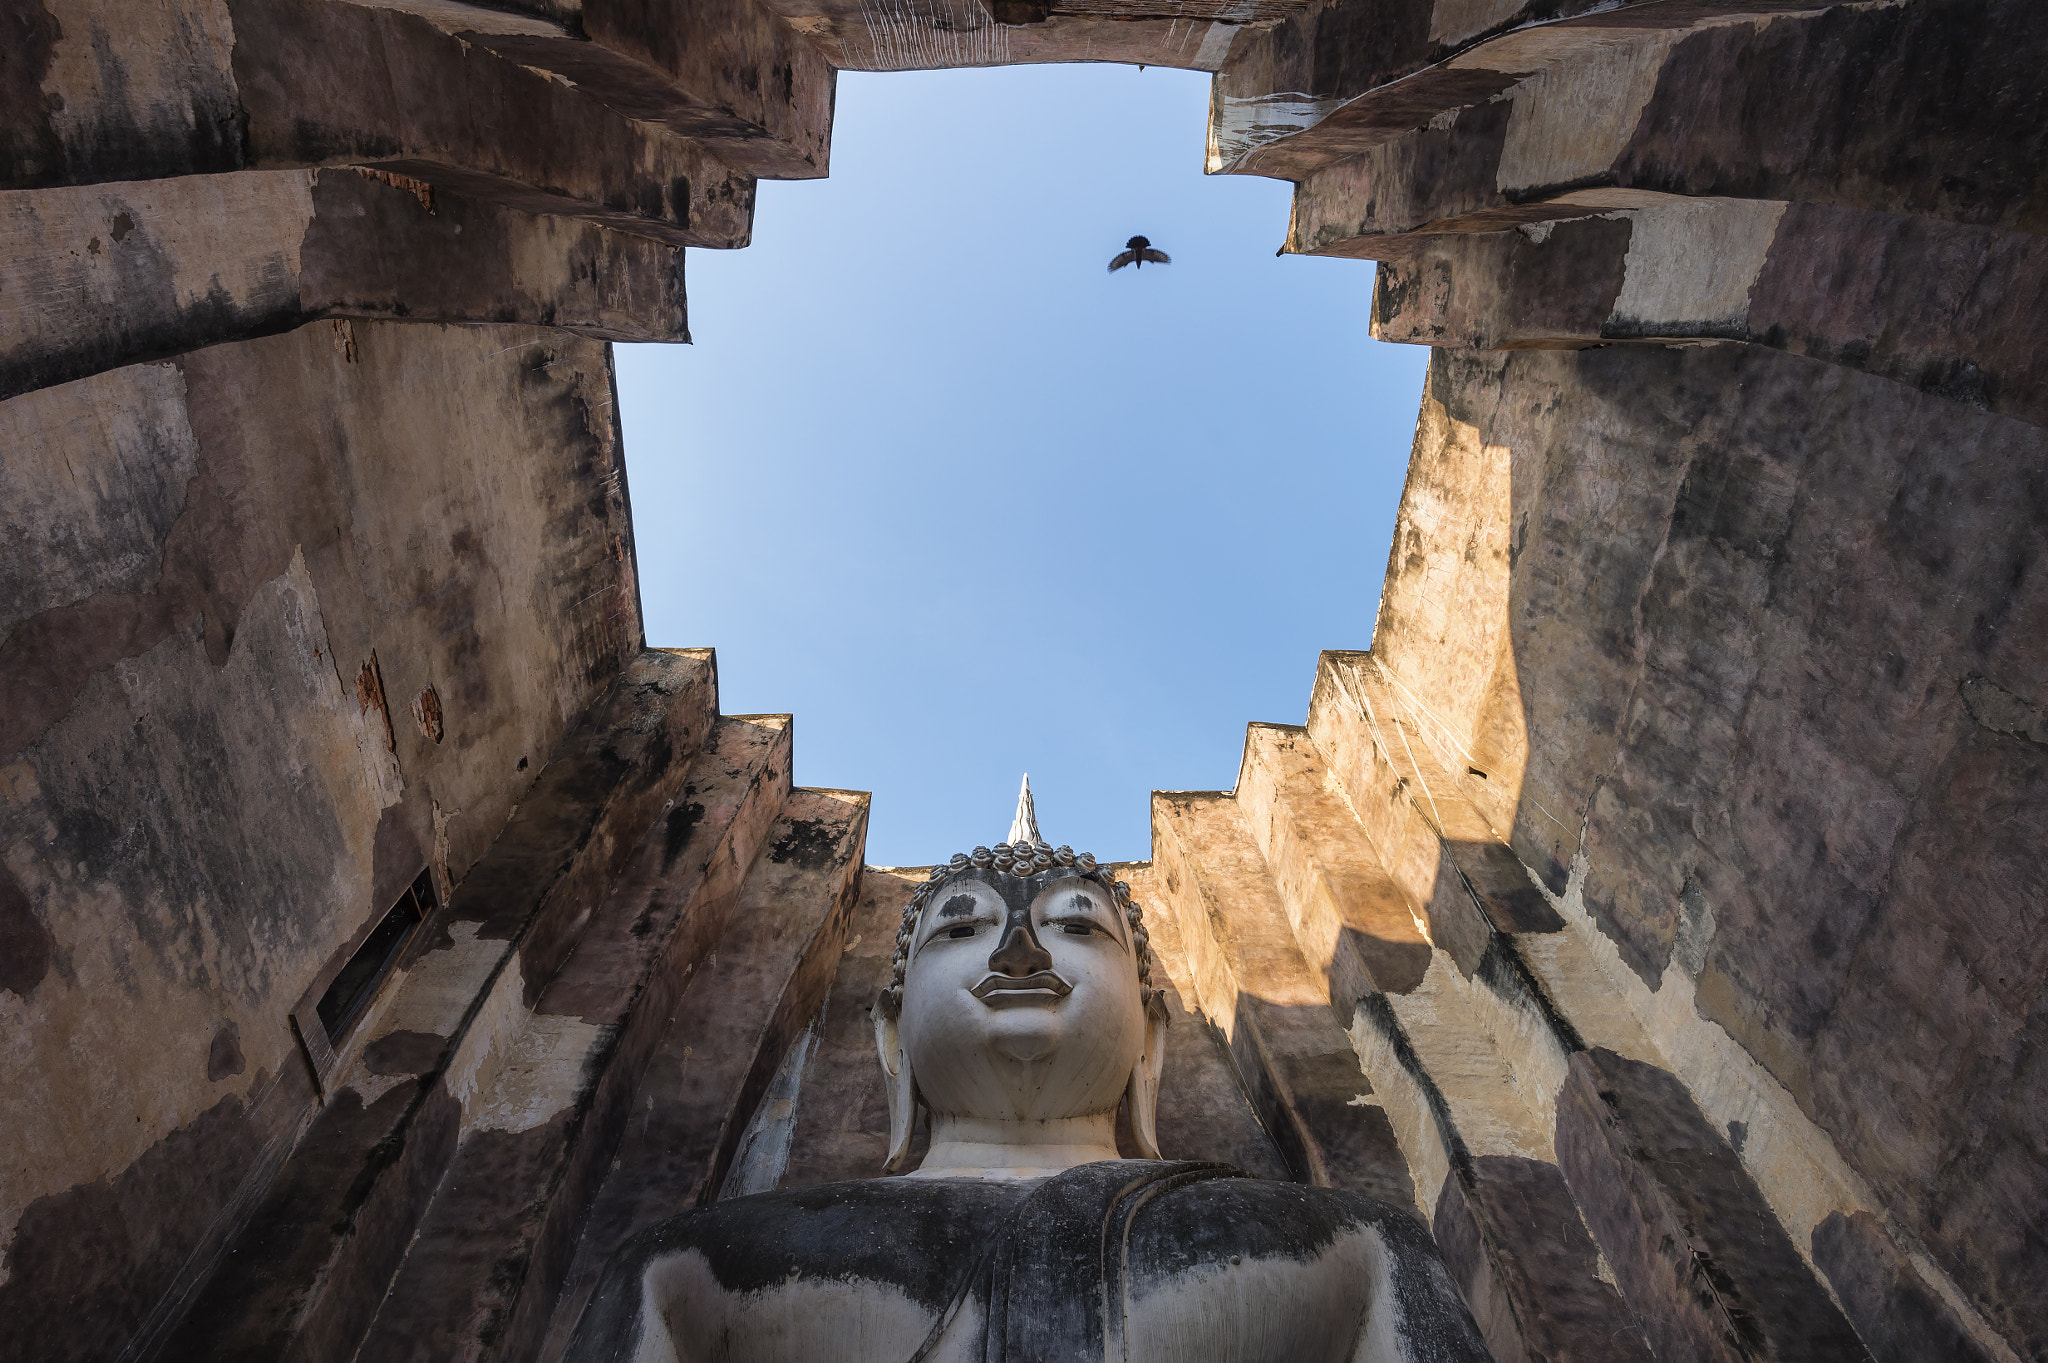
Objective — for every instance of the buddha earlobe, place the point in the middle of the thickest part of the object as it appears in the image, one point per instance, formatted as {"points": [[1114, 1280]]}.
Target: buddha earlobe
{"points": [[1142, 1094], [897, 1082]]}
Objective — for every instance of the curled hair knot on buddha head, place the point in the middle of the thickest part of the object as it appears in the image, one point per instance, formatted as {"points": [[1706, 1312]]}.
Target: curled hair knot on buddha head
{"points": [[1021, 859]]}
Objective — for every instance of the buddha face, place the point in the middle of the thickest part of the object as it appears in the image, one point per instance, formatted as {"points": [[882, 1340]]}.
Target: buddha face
{"points": [[1021, 998]]}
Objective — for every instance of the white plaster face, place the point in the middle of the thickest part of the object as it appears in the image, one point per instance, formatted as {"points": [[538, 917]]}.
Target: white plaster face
{"points": [[1021, 1000]]}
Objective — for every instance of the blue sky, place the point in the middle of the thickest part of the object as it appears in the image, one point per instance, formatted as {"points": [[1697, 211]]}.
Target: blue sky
{"points": [[969, 505]]}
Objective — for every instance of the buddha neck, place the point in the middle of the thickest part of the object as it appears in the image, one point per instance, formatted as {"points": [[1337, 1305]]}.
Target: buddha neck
{"points": [[979, 1147]]}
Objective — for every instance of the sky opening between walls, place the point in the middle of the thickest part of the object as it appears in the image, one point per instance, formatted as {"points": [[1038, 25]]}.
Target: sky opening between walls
{"points": [[969, 505]]}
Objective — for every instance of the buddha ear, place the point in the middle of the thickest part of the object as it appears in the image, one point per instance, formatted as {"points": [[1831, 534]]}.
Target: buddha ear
{"points": [[897, 1082], [1142, 1095]]}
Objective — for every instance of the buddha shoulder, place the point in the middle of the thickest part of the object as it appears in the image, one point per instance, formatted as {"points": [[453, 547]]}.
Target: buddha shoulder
{"points": [[872, 1260], [1234, 1270]]}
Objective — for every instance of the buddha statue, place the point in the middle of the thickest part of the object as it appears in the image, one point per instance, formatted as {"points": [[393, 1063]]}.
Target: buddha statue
{"points": [[1020, 1016]]}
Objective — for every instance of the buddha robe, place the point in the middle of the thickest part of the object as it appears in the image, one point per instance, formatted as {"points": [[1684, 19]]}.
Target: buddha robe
{"points": [[1124, 1261]]}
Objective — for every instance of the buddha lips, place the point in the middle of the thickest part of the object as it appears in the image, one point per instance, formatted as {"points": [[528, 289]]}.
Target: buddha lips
{"points": [[1039, 982]]}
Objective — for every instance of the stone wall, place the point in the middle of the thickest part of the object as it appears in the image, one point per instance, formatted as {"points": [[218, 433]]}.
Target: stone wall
{"points": [[1681, 691], [235, 578], [1761, 623], [1652, 909]]}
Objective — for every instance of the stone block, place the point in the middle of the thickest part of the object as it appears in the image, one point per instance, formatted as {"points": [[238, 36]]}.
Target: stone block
{"points": [[1833, 103], [1364, 758], [114, 274], [1459, 802], [1352, 920], [1435, 1057], [1205, 1110], [591, 806], [548, 1104], [323, 1243], [1513, 1238], [758, 989], [920, 35], [210, 86], [1818, 281], [326, 82], [840, 1124], [171, 108], [1336, 80], [1273, 1009], [1410, 807], [1537, 153], [755, 90]]}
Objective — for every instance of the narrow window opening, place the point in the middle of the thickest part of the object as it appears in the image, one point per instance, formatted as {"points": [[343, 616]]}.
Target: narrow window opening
{"points": [[357, 982]]}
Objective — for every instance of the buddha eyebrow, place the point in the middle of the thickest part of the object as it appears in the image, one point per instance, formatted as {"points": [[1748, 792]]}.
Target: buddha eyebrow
{"points": [[959, 906]]}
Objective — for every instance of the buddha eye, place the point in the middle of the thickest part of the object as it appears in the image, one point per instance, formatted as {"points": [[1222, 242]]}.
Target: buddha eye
{"points": [[960, 930], [1078, 929]]}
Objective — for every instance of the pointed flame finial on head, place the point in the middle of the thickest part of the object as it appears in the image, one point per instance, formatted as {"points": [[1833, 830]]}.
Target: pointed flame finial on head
{"points": [[1024, 828]]}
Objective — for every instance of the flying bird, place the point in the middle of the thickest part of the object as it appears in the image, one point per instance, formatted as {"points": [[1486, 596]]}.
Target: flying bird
{"points": [[1140, 252]]}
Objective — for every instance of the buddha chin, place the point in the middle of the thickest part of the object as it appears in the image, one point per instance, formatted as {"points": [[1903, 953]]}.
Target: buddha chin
{"points": [[1020, 1015]]}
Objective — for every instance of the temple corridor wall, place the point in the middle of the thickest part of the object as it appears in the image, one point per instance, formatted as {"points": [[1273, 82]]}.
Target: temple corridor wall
{"points": [[1768, 623], [291, 621], [1739, 654]]}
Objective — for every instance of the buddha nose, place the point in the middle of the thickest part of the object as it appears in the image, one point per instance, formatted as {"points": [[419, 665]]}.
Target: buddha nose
{"points": [[1019, 953]]}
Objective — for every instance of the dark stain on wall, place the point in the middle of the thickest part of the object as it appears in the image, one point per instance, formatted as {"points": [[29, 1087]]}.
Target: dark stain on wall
{"points": [[677, 827], [1837, 280], [404, 1052], [373, 247], [307, 1218], [483, 1216], [224, 1054], [396, 854], [47, 657], [214, 556], [156, 319], [808, 844], [193, 127], [2002, 712], [28, 144], [87, 1264], [26, 946], [1515, 1243], [1929, 1067], [1905, 109]]}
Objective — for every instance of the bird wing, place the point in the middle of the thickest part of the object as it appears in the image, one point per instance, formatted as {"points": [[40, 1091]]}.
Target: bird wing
{"points": [[1123, 260], [1157, 257]]}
